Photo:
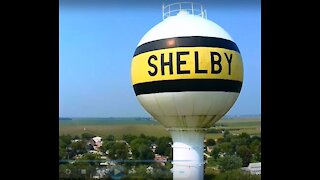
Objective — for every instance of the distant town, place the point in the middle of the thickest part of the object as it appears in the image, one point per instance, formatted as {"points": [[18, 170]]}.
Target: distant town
{"points": [[230, 150]]}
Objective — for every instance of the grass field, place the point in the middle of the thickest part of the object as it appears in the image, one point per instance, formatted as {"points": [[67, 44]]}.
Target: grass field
{"points": [[240, 125], [120, 126]]}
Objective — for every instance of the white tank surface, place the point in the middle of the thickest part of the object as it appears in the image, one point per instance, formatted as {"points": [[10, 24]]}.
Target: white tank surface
{"points": [[184, 24], [187, 72]]}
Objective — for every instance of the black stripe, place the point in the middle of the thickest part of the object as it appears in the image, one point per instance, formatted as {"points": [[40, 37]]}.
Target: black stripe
{"points": [[191, 41], [187, 85]]}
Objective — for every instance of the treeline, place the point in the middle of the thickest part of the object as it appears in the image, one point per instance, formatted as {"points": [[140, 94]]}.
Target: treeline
{"points": [[64, 118], [235, 174], [247, 147], [229, 154], [133, 152], [232, 152], [117, 150]]}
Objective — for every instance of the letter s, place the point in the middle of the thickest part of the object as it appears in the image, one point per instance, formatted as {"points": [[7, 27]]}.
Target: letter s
{"points": [[152, 65]]}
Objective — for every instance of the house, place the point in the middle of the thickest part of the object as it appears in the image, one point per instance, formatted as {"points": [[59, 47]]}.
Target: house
{"points": [[95, 152], [75, 140], [221, 154], [104, 163], [160, 159], [209, 149], [103, 157], [253, 168], [96, 142], [149, 170], [153, 147]]}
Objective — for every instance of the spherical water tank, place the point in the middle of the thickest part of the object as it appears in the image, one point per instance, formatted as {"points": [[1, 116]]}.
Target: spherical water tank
{"points": [[187, 71]]}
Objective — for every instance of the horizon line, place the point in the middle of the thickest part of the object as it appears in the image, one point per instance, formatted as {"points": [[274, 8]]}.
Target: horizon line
{"points": [[228, 116]]}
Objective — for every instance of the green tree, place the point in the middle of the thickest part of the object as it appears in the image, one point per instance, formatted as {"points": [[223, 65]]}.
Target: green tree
{"points": [[87, 136], [140, 172], [255, 148], [161, 149], [220, 140], [244, 135], [229, 162], [92, 159], [164, 149], [169, 152], [164, 146], [238, 141], [226, 133], [119, 151], [245, 154], [216, 151], [164, 140], [244, 139], [256, 157], [161, 172], [140, 141], [210, 142], [129, 137], [107, 146], [211, 162], [66, 139], [153, 139], [228, 138], [142, 136], [62, 153], [255, 138], [110, 138], [222, 148], [142, 152], [79, 147], [62, 144], [226, 147], [236, 175]]}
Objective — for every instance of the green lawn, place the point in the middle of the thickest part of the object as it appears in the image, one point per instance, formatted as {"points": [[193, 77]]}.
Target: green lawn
{"points": [[120, 126], [116, 130]]}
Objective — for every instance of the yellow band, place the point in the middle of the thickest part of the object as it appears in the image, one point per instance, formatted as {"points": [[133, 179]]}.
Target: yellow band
{"points": [[187, 63]]}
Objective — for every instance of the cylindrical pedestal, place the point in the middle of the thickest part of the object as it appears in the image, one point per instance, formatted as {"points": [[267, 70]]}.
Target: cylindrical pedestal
{"points": [[188, 162]]}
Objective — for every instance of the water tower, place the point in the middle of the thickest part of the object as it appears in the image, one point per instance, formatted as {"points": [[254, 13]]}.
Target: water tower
{"points": [[187, 72]]}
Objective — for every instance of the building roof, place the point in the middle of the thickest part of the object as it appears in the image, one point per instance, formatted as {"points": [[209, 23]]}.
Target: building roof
{"points": [[97, 139], [255, 165]]}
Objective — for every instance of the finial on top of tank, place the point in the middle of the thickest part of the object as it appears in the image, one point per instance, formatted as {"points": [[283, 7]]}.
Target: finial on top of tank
{"points": [[183, 8]]}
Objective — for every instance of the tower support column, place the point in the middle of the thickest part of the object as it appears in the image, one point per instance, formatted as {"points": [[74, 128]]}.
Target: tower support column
{"points": [[188, 161]]}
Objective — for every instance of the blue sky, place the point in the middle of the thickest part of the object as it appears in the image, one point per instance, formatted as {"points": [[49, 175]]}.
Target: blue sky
{"points": [[97, 42]]}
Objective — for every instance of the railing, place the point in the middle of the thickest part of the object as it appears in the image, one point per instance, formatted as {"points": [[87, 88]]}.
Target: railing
{"points": [[192, 8]]}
